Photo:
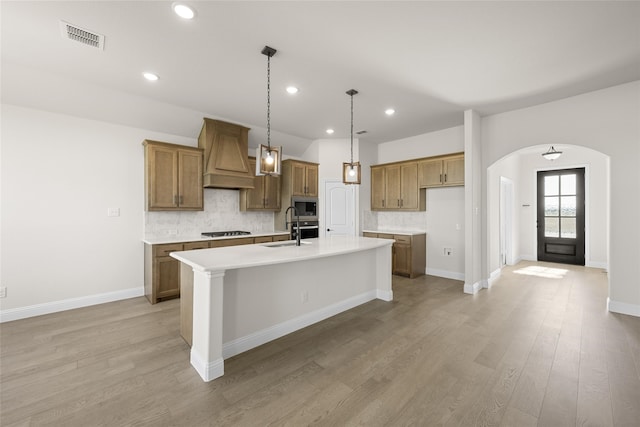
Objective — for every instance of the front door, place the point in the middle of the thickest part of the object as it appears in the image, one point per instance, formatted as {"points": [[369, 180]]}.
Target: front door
{"points": [[561, 224]]}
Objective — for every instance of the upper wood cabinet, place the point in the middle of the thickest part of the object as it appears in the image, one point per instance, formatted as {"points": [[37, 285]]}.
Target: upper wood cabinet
{"points": [[395, 187], [226, 162], [264, 196], [441, 171], [303, 176], [173, 177]]}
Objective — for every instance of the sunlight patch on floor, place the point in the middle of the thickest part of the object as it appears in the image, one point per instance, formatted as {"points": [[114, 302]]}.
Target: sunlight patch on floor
{"points": [[546, 272]]}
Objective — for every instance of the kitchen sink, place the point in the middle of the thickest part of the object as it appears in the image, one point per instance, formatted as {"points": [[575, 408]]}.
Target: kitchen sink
{"points": [[284, 244]]}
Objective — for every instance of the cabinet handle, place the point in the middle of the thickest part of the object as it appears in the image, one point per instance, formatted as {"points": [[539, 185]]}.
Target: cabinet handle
{"points": [[398, 202], [445, 177], [440, 178], [383, 203]]}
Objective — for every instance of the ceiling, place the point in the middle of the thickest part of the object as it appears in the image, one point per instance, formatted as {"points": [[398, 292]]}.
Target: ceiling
{"points": [[430, 61]]}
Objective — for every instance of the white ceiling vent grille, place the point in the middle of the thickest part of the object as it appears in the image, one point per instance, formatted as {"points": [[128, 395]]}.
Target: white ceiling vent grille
{"points": [[82, 35]]}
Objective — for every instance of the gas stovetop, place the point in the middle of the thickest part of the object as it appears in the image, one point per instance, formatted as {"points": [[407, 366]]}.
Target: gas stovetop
{"points": [[225, 233]]}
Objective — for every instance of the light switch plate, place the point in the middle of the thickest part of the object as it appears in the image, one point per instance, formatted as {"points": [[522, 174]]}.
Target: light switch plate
{"points": [[113, 211]]}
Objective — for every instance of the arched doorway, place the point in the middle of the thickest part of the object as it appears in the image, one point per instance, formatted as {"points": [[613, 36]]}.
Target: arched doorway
{"points": [[520, 168]]}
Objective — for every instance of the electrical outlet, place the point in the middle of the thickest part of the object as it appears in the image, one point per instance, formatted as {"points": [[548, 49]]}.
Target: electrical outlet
{"points": [[172, 232], [448, 251], [113, 211], [3, 292], [304, 296]]}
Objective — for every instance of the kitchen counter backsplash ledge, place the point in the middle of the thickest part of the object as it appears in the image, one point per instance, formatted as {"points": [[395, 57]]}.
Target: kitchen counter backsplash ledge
{"points": [[161, 240]]}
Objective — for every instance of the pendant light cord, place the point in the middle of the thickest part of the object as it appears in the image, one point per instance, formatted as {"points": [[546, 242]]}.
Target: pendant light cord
{"points": [[269, 103], [352, 131]]}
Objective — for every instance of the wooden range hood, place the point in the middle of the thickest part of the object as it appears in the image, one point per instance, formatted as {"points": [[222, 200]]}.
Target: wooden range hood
{"points": [[226, 160]]}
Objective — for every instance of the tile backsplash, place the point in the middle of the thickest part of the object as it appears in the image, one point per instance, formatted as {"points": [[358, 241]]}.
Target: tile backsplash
{"points": [[395, 221], [221, 212]]}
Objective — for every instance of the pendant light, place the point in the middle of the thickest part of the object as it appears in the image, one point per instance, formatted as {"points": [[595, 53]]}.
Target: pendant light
{"points": [[551, 154], [351, 170], [268, 158]]}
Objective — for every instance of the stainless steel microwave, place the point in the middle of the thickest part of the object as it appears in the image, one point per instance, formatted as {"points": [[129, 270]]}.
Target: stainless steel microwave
{"points": [[306, 207]]}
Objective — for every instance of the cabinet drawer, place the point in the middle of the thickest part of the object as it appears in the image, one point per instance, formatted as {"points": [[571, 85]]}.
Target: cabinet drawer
{"points": [[263, 239], [196, 245], [231, 242], [406, 240], [385, 236], [281, 237], [365, 234], [165, 250]]}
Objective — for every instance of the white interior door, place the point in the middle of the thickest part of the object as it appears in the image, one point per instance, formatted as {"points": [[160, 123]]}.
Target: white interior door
{"points": [[506, 221], [340, 215]]}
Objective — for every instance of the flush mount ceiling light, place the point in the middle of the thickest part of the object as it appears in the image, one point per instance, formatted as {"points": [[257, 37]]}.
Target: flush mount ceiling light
{"points": [[351, 170], [389, 111], [268, 158], [551, 154], [150, 76], [329, 131], [183, 11], [292, 90]]}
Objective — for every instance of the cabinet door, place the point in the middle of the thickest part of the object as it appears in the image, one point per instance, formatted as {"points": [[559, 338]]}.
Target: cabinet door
{"points": [[162, 177], [253, 198], [167, 277], [312, 181], [409, 186], [454, 171], [271, 192], [402, 265], [392, 184], [377, 188], [231, 242], [299, 183], [430, 173], [190, 189]]}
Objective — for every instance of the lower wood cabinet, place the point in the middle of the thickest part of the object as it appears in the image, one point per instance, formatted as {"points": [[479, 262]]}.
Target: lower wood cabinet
{"points": [[409, 253], [162, 273]]}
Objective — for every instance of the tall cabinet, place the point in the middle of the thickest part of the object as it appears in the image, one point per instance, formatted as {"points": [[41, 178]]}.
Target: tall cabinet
{"points": [[265, 194]]}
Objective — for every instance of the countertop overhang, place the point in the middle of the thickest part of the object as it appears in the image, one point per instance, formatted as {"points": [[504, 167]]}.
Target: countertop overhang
{"points": [[232, 257]]}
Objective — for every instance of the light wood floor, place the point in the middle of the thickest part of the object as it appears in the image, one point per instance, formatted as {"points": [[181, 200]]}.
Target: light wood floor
{"points": [[530, 351]]}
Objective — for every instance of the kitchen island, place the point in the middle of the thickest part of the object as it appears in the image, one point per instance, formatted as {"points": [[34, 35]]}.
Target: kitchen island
{"points": [[245, 296]]}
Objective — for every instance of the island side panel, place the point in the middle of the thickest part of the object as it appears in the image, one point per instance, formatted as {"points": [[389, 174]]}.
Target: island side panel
{"points": [[264, 303], [383, 273]]}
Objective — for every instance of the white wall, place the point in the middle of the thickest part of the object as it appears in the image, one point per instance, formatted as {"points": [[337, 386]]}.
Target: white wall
{"points": [[445, 206], [59, 176], [607, 121]]}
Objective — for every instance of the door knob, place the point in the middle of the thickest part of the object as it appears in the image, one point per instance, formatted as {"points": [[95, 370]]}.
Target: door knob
{"points": [[328, 229]]}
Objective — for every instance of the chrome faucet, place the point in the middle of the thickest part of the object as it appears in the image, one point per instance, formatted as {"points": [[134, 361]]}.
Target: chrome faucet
{"points": [[286, 223]]}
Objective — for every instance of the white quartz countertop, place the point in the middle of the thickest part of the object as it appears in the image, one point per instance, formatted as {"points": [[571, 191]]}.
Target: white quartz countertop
{"points": [[400, 232], [199, 238], [243, 256]]}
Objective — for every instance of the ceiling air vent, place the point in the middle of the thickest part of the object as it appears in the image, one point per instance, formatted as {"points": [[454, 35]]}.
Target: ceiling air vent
{"points": [[361, 132], [82, 35]]}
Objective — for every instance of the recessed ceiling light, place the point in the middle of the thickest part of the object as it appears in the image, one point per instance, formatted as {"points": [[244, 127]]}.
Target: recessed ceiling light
{"points": [[329, 131], [183, 11], [292, 89], [389, 111], [150, 76]]}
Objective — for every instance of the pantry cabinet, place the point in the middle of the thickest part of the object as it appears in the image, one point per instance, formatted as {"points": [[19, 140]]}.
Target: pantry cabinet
{"points": [[173, 177], [264, 196]]}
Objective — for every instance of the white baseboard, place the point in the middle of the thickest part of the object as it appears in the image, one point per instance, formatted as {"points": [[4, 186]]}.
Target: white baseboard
{"points": [[444, 273], [527, 257], [473, 289], [495, 274], [207, 371], [623, 308], [598, 264], [68, 304], [384, 295], [271, 333]]}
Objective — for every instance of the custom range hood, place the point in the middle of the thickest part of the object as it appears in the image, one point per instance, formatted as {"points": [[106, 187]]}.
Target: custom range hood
{"points": [[226, 161]]}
